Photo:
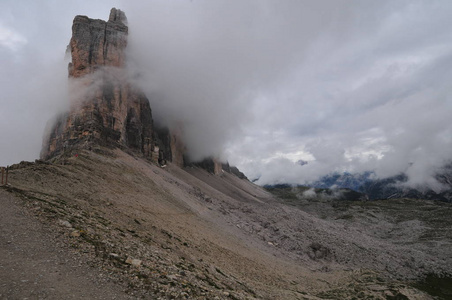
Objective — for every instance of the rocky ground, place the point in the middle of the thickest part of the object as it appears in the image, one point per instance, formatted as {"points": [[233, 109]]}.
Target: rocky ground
{"points": [[139, 231], [37, 264]]}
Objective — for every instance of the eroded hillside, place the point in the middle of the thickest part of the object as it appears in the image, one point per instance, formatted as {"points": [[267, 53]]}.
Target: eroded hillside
{"points": [[186, 233]]}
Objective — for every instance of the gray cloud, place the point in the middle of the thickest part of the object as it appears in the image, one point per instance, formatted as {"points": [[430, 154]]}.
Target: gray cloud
{"points": [[202, 63], [348, 85]]}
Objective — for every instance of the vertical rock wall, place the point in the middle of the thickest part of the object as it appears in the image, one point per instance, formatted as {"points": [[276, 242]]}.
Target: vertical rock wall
{"points": [[105, 108]]}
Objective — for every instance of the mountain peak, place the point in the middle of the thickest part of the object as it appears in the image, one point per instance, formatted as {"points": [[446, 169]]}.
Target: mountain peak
{"points": [[117, 15], [96, 43], [106, 109]]}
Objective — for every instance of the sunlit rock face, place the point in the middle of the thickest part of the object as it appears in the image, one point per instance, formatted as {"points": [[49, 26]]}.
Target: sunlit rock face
{"points": [[105, 108]]}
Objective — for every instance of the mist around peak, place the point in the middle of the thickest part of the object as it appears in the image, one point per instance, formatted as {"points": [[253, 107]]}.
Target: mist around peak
{"points": [[345, 85], [265, 85]]}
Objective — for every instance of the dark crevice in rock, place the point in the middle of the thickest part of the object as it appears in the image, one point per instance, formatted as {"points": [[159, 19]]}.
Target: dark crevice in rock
{"points": [[105, 52]]}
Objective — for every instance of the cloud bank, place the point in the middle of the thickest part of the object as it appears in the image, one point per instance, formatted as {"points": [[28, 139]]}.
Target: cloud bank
{"points": [[203, 63], [346, 85]]}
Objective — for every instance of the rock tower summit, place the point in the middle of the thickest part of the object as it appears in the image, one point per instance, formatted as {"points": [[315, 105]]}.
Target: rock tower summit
{"points": [[105, 108], [96, 43]]}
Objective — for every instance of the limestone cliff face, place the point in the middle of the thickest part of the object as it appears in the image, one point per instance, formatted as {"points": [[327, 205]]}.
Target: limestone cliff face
{"points": [[105, 108], [178, 149], [96, 43], [170, 142]]}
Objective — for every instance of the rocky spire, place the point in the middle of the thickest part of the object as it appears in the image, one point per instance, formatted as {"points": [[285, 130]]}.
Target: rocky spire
{"points": [[97, 43], [117, 15], [105, 108]]}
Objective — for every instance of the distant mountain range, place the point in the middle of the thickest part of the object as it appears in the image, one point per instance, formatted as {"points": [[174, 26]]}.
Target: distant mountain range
{"points": [[366, 185], [387, 188]]}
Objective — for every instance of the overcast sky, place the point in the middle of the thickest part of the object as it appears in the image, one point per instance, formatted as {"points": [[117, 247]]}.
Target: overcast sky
{"points": [[346, 85]]}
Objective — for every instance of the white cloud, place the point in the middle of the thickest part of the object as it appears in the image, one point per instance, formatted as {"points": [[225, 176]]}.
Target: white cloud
{"points": [[11, 39]]}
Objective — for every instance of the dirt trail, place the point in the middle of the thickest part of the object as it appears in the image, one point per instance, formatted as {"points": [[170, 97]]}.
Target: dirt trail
{"points": [[50, 273]]}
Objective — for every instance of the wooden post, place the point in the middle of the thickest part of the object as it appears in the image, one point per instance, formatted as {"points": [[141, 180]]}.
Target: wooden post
{"points": [[3, 171], [6, 180]]}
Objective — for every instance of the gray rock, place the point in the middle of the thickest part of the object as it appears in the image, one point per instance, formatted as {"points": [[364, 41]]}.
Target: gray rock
{"points": [[64, 223], [133, 261]]}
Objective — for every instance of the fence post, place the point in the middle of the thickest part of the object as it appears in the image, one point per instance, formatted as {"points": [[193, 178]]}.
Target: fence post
{"points": [[6, 180], [3, 171]]}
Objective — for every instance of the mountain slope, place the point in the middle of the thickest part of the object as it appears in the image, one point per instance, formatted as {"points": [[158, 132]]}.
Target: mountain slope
{"points": [[49, 273], [199, 235]]}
